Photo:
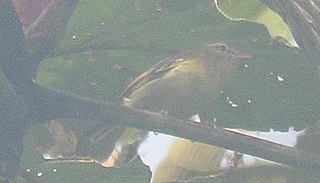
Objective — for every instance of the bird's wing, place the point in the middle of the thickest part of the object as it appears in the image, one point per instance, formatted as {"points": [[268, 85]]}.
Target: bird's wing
{"points": [[152, 74]]}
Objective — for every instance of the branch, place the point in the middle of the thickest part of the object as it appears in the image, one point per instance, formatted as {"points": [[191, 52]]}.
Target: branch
{"points": [[12, 111], [16, 71], [73, 106], [46, 32]]}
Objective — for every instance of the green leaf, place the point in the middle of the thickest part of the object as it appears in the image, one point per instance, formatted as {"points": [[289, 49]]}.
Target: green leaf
{"points": [[255, 11]]}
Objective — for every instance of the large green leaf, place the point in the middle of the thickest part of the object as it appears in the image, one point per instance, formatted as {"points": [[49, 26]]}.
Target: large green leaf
{"points": [[255, 11]]}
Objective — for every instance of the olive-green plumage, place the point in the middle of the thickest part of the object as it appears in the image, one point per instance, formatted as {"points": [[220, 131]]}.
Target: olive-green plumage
{"points": [[182, 85]]}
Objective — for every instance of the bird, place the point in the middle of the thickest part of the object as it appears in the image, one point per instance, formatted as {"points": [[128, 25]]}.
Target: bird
{"points": [[182, 85]]}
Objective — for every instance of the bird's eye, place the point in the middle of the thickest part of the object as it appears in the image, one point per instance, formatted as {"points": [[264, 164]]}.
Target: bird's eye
{"points": [[222, 48]]}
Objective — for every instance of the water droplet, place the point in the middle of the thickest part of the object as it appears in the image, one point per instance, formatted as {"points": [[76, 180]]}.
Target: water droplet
{"points": [[280, 78], [249, 101], [54, 170], [74, 37], [234, 105], [195, 118], [165, 113], [39, 174], [155, 133]]}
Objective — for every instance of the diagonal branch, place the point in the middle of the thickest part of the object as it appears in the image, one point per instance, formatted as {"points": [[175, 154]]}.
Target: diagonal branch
{"points": [[45, 33], [74, 106]]}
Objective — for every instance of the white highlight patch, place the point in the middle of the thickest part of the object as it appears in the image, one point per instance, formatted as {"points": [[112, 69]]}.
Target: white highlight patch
{"points": [[285, 138], [48, 156], [196, 118], [280, 78], [39, 174], [155, 149], [234, 105]]}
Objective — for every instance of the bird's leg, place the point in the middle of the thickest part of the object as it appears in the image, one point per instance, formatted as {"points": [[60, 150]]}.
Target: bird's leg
{"points": [[232, 165], [233, 161]]}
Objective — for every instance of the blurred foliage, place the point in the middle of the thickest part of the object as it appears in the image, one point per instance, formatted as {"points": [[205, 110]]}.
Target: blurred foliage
{"points": [[108, 43], [6, 90], [255, 11]]}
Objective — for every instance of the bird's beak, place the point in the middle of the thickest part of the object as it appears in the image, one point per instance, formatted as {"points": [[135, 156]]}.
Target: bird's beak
{"points": [[238, 55], [244, 56]]}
